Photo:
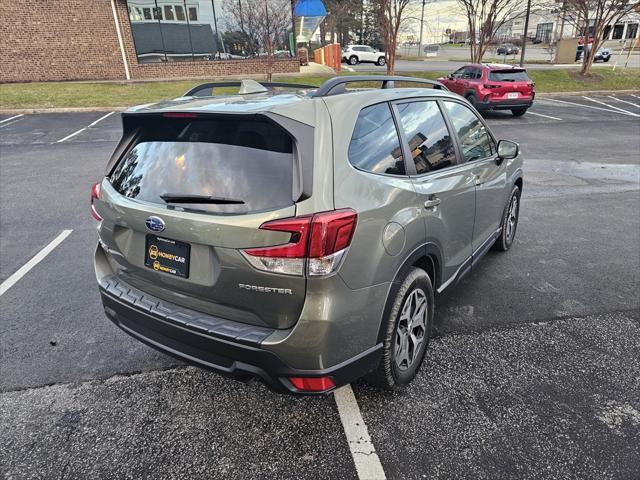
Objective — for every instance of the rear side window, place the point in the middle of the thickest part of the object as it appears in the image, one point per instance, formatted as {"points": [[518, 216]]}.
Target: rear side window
{"points": [[375, 146], [508, 76], [429, 140], [248, 161], [475, 141]]}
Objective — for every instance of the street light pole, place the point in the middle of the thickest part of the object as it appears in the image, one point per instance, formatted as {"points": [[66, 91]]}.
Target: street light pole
{"points": [[526, 30], [421, 28]]}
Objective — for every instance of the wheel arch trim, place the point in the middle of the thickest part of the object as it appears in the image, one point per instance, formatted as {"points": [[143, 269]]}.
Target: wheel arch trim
{"points": [[426, 250]]}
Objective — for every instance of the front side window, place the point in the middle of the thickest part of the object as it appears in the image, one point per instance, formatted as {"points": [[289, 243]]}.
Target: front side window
{"points": [[467, 73], [429, 139], [375, 146], [458, 73], [475, 141]]}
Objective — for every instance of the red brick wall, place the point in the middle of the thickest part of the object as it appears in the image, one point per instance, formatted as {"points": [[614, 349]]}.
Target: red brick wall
{"points": [[44, 40], [58, 40]]}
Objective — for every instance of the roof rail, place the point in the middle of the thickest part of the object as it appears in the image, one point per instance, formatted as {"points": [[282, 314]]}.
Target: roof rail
{"points": [[204, 89], [327, 87]]}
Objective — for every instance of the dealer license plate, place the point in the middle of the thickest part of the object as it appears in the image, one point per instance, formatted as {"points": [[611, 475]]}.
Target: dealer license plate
{"points": [[168, 256]]}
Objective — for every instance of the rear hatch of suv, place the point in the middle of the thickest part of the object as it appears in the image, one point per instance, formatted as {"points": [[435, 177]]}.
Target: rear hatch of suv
{"points": [[509, 84], [186, 196]]}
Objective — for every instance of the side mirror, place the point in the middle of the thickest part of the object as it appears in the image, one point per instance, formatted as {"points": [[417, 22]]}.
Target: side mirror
{"points": [[450, 76], [507, 150]]}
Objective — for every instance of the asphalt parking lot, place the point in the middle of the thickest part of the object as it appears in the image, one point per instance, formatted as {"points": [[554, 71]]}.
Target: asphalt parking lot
{"points": [[534, 371]]}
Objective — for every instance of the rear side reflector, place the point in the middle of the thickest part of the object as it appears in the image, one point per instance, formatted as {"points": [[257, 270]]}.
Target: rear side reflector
{"points": [[317, 242], [312, 384], [95, 195]]}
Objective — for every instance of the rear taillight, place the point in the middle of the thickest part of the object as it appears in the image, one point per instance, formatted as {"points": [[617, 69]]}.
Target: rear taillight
{"points": [[312, 384], [317, 244], [95, 195]]}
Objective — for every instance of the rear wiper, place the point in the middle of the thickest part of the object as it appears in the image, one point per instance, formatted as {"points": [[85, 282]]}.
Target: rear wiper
{"points": [[209, 199]]}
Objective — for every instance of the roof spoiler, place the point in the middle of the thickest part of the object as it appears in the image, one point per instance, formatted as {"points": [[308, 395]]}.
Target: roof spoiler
{"points": [[246, 87]]}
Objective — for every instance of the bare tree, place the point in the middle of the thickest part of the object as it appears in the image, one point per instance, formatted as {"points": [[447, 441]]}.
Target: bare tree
{"points": [[484, 18], [391, 17], [592, 17], [264, 22]]}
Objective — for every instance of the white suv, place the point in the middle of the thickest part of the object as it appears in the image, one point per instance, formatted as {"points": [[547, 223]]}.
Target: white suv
{"points": [[354, 54]]}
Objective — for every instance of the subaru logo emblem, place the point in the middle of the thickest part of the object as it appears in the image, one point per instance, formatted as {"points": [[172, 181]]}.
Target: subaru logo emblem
{"points": [[155, 224]]}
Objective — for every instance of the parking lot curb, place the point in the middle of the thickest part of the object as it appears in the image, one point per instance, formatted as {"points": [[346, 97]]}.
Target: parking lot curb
{"points": [[585, 92], [28, 111]]}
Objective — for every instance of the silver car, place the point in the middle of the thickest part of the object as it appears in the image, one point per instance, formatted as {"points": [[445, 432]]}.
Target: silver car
{"points": [[300, 234]]}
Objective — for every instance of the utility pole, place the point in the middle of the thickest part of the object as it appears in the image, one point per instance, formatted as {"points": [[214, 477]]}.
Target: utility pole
{"points": [[421, 28], [524, 36]]}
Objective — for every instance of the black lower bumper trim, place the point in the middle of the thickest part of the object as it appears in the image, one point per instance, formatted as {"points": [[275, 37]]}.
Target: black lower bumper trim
{"points": [[504, 105], [228, 357]]}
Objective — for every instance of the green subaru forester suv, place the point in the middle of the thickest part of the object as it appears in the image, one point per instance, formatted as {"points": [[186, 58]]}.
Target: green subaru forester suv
{"points": [[299, 234]]}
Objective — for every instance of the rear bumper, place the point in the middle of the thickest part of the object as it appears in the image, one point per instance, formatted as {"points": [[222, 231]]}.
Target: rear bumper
{"points": [[225, 346], [505, 104]]}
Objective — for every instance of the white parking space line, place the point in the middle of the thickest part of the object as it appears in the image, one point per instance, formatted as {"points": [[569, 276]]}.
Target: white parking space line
{"points": [[364, 455], [623, 101], [587, 106], [11, 118], [545, 116], [84, 128], [634, 96], [611, 106], [100, 119], [22, 271]]}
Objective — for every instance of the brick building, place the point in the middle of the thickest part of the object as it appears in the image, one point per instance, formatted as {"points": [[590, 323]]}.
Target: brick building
{"points": [[54, 40]]}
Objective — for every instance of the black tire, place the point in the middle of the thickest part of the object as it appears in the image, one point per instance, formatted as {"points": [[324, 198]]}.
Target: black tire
{"points": [[353, 60], [508, 235], [381, 62], [518, 112], [390, 374], [471, 98], [606, 59]]}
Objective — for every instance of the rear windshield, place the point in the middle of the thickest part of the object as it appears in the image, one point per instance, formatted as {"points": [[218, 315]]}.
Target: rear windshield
{"points": [[508, 76], [241, 165]]}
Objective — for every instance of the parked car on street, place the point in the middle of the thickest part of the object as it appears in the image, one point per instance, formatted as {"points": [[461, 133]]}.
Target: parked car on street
{"points": [[602, 55], [493, 87], [299, 236], [354, 54], [507, 49]]}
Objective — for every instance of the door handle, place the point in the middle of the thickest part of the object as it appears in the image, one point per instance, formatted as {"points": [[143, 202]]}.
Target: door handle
{"points": [[432, 202]]}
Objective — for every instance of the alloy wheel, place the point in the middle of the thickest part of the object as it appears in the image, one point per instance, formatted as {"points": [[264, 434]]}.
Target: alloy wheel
{"points": [[512, 218], [411, 329]]}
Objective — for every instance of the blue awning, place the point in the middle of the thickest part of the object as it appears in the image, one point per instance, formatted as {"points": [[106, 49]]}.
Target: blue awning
{"points": [[310, 8]]}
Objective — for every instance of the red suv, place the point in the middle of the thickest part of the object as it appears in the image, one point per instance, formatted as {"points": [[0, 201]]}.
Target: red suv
{"points": [[493, 87]]}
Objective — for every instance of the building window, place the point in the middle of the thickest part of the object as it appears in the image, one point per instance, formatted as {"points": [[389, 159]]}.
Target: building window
{"points": [[618, 29], [632, 30], [205, 30], [544, 31]]}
